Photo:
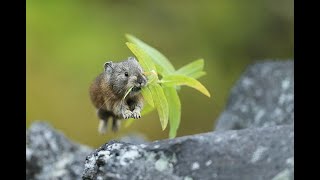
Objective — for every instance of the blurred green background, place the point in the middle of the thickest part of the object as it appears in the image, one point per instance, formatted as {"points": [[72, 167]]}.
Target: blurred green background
{"points": [[68, 42]]}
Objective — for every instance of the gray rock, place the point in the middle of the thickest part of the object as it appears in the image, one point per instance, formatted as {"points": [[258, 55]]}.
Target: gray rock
{"points": [[49, 155], [264, 96], [251, 154]]}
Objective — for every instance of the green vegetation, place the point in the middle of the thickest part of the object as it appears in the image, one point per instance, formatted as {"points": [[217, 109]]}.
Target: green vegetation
{"points": [[162, 93], [67, 43]]}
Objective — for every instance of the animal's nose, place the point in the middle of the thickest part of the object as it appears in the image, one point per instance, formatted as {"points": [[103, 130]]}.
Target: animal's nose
{"points": [[141, 80]]}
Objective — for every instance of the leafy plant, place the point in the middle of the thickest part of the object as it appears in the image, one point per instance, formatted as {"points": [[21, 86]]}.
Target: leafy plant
{"points": [[162, 94]]}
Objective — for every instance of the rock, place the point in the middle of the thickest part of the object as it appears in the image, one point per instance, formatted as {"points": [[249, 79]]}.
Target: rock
{"points": [[264, 96], [49, 155], [251, 154]]}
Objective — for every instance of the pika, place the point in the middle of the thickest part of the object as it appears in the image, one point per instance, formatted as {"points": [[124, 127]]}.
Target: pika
{"points": [[109, 88]]}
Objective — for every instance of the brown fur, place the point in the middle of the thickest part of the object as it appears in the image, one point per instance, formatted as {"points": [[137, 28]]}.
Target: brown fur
{"points": [[106, 96]]}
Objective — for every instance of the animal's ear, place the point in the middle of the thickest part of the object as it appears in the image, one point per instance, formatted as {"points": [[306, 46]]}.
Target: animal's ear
{"points": [[108, 66], [132, 58]]}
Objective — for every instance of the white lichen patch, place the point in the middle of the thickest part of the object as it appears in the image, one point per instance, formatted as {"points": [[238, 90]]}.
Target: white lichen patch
{"points": [[201, 138], [285, 84], [28, 154], [104, 154], [64, 160], [282, 99], [247, 82], [195, 166], [285, 98], [208, 163], [115, 146], [290, 161], [161, 164], [128, 156], [58, 169], [113, 175], [90, 164], [218, 139], [131, 154], [150, 156], [58, 173], [174, 158], [187, 178], [259, 115], [258, 153], [143, 145], [234, 136]]}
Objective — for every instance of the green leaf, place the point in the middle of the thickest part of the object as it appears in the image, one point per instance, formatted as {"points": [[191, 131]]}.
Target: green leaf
{"points": [[143, 57], [162, 63], [174, 109], [192, 68], [161, 104], [147, 95], [146, 109], [164, 97], [152, 77], [178, 79], [197, 75]]}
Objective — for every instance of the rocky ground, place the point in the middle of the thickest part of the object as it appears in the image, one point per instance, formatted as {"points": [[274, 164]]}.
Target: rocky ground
{"points": [[253, 140], [222, 155], [262, 97], [50, 155]]}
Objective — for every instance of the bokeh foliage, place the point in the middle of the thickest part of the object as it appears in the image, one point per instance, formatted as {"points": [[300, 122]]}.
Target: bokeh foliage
{"points": [[68, 42]]}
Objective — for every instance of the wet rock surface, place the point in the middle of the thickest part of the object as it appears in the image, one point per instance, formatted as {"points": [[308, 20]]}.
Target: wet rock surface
{"points": [[50, 155], [257, 153], [263, 96]]}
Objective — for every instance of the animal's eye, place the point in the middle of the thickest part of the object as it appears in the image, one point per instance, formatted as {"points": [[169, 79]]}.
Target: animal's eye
{"points": [[126, 74]]}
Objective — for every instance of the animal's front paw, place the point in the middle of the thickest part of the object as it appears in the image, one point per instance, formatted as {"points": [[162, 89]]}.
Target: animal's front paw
{"points": [[136, 114], [126, 114]]}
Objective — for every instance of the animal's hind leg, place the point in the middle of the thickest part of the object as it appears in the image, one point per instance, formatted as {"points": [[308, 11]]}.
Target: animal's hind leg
{"points": [[104, 116], [115, 124]]}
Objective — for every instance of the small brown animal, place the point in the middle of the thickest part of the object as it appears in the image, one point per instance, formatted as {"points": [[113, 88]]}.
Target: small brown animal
{"points": [[109, 88]]}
